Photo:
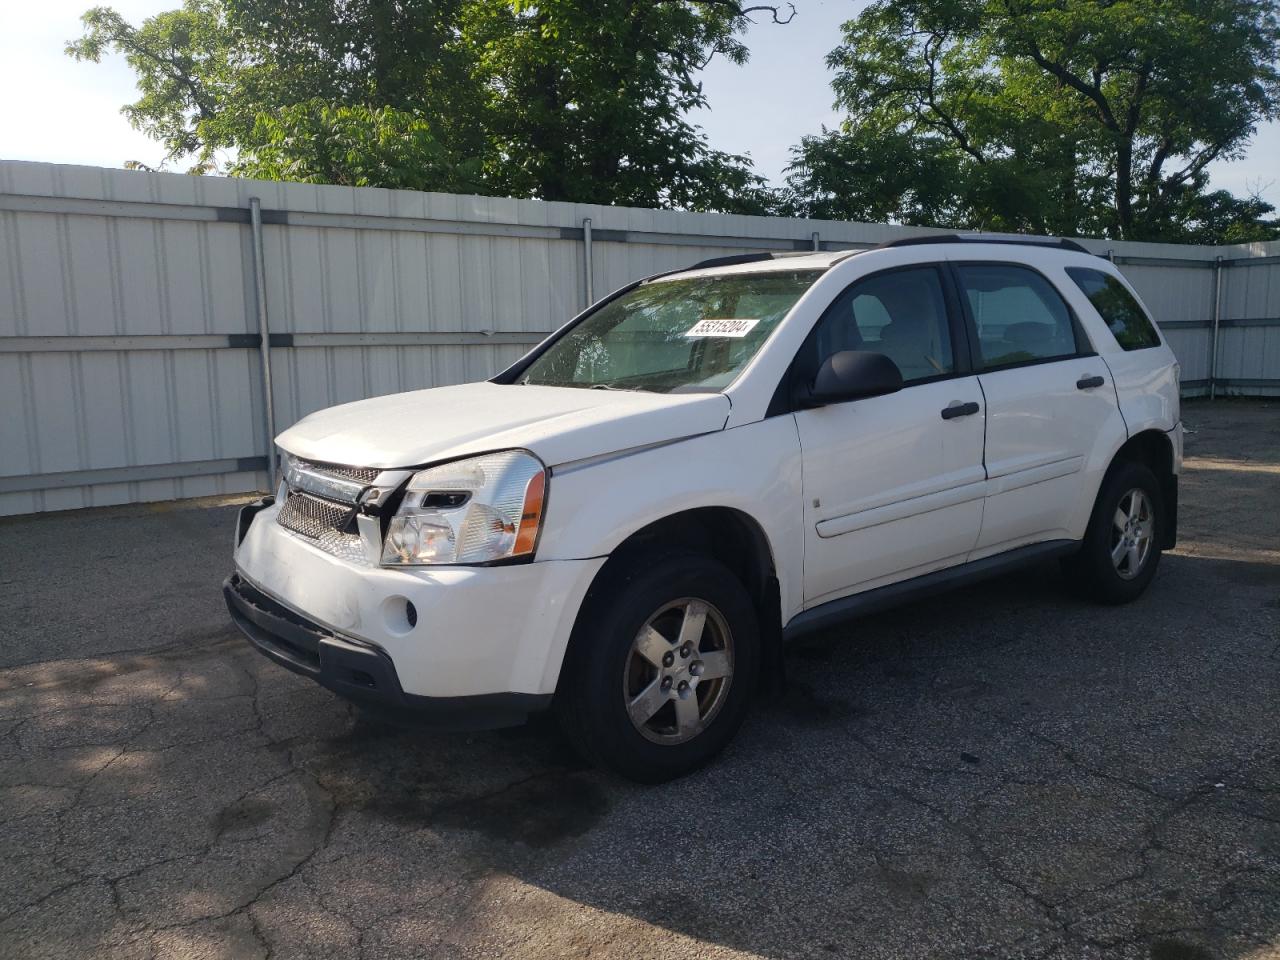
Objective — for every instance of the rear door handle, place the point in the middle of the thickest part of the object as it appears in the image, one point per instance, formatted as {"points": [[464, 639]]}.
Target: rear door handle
{"points": [[959, 410], [1088, 383]]}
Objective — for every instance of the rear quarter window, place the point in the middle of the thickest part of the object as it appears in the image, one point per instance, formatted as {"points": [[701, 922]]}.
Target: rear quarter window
{"points": [[1123, 314]]}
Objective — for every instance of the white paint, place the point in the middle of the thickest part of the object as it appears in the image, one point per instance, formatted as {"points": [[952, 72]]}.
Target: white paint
{"points": [[900, 487], [558, 424], [479, 630]]}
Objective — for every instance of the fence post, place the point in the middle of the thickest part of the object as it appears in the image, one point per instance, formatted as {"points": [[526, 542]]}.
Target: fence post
{"points": [[817, 241], [589, 286], [260, 295], [1217, 319]]}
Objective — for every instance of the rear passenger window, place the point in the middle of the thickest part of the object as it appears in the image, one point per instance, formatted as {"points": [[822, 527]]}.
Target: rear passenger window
{"points": [[1124, 315], [902, 314], [1020, 316]]}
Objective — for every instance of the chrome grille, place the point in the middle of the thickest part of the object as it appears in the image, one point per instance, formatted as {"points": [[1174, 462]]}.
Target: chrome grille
{"points": [[359, 474], [322, 522], [311, 516]]}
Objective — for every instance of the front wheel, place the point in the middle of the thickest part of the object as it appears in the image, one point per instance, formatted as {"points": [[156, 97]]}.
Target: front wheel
{"points": [[1121, 547], [659, 674]]}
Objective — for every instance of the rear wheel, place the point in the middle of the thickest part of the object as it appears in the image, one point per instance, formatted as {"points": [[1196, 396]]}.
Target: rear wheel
{"points": [[660, 671], [1121, 548]]}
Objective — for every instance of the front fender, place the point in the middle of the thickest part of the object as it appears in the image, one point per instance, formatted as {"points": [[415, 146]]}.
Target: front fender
{"points": [[594, 507]]}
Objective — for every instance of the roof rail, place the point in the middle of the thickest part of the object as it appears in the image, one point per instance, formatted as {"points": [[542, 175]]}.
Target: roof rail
{"points": [[745, 258], [729, 261], [1056, 243]]}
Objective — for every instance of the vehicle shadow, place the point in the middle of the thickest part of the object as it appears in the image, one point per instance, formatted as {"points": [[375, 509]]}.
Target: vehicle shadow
{"points": [[1003, 771]]}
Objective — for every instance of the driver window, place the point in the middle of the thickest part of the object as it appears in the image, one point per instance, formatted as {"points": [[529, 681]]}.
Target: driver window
{"points": [[902, 314]]}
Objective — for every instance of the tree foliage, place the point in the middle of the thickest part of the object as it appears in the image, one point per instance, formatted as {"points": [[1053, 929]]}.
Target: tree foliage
{"points": [[355, 146], [1093, 117], [589, 99], [562, 100], [1059, 116]]}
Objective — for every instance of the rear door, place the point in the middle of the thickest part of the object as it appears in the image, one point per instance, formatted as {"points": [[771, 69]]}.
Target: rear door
{"points": [[1050, 405], [893, 485]]}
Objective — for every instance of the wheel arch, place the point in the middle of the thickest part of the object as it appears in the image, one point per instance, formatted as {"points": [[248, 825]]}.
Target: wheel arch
{"points": [[732, 536], [727, 534], [1153, 449]]}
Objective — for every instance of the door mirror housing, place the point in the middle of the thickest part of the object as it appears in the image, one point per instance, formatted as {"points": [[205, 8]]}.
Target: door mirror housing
{"points": [[853, 375]]}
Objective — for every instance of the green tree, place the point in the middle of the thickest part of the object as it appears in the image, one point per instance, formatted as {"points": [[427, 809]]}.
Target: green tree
{"points": [[1217, 217], [567, 100], [236, 75], [1065, 116], [357, 146], [589, 99]]}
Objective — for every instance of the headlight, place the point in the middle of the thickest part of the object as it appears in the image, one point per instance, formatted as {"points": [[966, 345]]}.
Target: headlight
{"points": [[470, 511]]}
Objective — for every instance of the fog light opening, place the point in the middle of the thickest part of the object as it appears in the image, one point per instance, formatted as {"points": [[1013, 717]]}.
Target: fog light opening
{"points": [[399, 615]]}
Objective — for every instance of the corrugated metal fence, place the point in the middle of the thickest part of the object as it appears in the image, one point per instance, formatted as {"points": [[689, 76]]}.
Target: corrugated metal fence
{"points": [[130, 325]]}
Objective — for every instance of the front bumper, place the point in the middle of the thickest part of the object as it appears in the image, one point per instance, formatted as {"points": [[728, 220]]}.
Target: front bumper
{"points": [[360, 672], [477, 632]]}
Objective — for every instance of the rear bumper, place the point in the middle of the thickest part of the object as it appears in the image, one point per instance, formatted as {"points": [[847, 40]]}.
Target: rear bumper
{"points": [[1169, 490], [361, 672], [1169, 539]]}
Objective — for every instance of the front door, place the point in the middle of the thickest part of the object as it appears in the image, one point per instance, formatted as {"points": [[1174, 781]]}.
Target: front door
{"points": [[893, 484]]}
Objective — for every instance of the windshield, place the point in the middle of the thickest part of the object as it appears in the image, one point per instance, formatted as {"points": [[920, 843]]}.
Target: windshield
{"points": [[672, 336]]}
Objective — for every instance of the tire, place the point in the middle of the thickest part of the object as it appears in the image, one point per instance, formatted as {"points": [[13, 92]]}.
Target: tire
{"points": [[1094, 569], [611, 671]]}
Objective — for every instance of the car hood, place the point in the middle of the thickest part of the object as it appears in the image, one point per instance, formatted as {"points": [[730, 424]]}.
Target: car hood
{"points": [[558, 424]]}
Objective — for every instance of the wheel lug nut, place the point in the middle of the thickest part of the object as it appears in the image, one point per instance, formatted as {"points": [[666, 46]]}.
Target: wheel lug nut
{"points": [[684, 685], [666, 683], [685, 650], [668, 659]]}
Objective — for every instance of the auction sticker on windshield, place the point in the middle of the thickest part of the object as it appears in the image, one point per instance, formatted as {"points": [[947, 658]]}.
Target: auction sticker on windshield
{"points": [[726, 327]]}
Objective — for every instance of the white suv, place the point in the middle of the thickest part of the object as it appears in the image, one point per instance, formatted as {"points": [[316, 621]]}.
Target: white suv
{"points": [[631, 521]]}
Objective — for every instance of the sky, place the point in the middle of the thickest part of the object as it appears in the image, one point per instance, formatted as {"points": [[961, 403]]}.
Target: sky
{"points": [[58, 110]]}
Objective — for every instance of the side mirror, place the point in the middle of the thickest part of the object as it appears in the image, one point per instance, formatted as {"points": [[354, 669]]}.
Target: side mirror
{"points": [[854, 374]]}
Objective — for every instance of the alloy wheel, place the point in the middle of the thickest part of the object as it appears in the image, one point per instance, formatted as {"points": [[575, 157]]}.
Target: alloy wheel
{"points": [[678, 671], [1132, 533]]}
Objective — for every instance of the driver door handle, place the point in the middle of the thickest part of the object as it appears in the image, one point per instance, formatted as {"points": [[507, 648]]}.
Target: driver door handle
{"points": [[1088, 383], [959, 410]]}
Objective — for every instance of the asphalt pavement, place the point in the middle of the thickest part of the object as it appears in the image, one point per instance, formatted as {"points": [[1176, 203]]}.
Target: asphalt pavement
{"points": [[1004, 771]]}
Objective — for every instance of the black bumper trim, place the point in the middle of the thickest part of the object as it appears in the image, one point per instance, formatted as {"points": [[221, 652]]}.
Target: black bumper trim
{"points": [[361, 672], [247, 513]]}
